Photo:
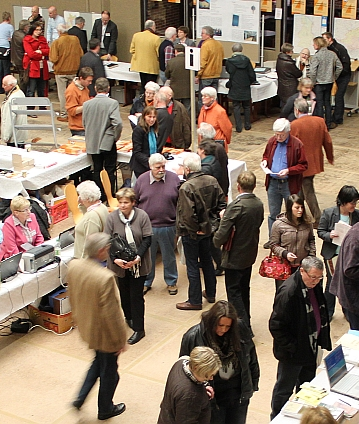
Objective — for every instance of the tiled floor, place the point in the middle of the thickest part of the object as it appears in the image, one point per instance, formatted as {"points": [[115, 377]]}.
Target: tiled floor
{"points": [[41, 372]]}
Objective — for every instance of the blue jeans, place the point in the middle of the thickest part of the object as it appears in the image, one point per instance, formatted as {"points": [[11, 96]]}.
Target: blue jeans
{"points": [[323, 94], [165, 238], [104, 366], [207, 82], [194, 249], [278, 190], [288, 377]]}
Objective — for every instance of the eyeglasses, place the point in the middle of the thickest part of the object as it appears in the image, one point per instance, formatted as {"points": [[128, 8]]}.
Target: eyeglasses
{"points": [[25, 210], [281, 135], [314, 278]]}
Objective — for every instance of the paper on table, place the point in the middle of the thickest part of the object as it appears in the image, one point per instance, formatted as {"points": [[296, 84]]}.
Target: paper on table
{"points": [[348, 340], [341, 228]]}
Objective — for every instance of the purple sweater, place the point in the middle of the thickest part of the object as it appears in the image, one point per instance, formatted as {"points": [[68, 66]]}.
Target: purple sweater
{"points": [[158, 199]]}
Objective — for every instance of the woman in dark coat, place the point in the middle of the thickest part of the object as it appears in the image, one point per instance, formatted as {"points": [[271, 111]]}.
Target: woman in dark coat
{"points": [[237, 379], [241, 76], [344, 211], [287, 72], [144, 141], [35, 58]]}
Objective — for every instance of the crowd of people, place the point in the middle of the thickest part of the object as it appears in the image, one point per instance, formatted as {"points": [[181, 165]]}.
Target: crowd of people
{"points": [[218, 370]]}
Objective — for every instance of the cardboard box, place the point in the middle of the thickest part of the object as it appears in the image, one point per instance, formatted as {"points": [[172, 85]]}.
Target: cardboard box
{"points": [[58, 323], [118, 93], [21, 163]]}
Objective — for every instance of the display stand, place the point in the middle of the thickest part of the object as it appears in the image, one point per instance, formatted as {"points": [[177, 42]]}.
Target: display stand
{"points": [[351, 98]]}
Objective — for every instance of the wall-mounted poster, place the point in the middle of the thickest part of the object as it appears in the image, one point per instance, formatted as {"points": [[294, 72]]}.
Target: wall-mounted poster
{"points": [[298, 6], [266, 6], [321, 7], [231, 20], [349, 9]]}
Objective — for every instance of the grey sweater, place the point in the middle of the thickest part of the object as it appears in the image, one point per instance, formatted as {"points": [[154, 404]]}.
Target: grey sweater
{"points": [[325, 67]]}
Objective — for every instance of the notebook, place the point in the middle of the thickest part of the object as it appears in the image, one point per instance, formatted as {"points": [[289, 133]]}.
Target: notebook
{"points": [[339, 378], [67, 238], [9, 267]]}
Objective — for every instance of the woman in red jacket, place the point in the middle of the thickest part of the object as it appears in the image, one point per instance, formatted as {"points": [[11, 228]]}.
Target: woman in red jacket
{"points": [[35, 58]]}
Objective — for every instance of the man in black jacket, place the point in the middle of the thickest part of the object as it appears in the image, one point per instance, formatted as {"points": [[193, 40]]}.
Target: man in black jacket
{"points": [[106, 31], [241, 76], [92, 60], [343, 79], [287, 72], [79, 32], [299, 325]]}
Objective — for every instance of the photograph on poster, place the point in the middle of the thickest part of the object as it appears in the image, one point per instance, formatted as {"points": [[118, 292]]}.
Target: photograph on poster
{"points": [[235, 20], [250, 36], [204, 4]]}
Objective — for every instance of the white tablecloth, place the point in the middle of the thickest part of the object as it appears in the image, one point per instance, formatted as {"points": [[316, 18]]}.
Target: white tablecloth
{"points": [[61, 166], [266, 89], [26, 288], [121, 71]]}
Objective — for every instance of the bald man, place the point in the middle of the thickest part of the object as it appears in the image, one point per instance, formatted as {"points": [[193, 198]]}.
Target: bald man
{"points": [[12, 90], [54, 20]]}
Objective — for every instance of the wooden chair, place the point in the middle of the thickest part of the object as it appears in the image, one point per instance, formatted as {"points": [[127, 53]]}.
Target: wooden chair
{"points": [[112, 201], [72, 202]]}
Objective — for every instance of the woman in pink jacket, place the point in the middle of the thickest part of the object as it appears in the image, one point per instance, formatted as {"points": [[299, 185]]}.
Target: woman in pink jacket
{"points": [[19, 228]]}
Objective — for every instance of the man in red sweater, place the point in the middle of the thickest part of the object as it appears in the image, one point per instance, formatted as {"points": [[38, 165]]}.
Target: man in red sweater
{"points": [[76, 95]]}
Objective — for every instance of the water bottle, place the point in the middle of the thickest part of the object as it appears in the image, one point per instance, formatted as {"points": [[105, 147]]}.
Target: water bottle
{"points": [[58, 247]]}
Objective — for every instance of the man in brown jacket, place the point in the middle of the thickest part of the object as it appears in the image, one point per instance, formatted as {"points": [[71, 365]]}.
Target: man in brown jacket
{"points": [[65, 54], [97, 312], [313, 133]]}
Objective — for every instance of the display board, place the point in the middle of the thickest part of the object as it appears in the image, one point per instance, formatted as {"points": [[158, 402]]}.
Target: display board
{"points": [[346, 32], [306, 27], [234, 21], [21, 12]]}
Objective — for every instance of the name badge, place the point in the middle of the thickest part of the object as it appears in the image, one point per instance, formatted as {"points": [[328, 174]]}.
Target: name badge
{"points": [[107, 34], [33, 233]]}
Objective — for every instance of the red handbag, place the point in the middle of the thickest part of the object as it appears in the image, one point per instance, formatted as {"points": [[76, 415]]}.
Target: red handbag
{"points": [[274, 267], [227, 246]]}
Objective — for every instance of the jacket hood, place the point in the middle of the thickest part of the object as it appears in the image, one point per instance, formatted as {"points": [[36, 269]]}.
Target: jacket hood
{"points": [[239, 61]]}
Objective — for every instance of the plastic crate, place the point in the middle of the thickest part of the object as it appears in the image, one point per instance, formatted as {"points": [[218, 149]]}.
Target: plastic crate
{"points": [[58, 212]]}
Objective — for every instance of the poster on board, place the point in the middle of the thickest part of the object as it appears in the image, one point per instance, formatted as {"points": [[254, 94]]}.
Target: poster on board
{"points": [[231, 20]]}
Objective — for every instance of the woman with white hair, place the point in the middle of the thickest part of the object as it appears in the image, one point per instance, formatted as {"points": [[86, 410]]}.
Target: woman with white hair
{"points": [[94, 218], [303, 62], [214, 114], [146, 99]]}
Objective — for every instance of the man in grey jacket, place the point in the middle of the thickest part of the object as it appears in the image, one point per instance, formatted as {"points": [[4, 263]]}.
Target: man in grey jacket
{"points": [[103, 125]]}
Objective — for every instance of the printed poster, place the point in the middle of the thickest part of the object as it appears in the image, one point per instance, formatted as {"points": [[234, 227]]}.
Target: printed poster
{"points": [[349, 9], [321, 7], [266, 6], [298, 6]]}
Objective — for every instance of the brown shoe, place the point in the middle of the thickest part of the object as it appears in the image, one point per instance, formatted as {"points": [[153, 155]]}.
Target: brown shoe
{"points": [[62, 118], [209, 299], [187, 306]]}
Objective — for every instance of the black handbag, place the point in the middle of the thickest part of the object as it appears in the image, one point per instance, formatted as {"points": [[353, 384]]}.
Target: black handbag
{"points": [[120, 249]]}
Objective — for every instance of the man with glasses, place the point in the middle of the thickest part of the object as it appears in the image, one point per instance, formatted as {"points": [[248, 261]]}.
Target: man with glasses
{"points": [[157, 194], [299, 325], [284, 162]]}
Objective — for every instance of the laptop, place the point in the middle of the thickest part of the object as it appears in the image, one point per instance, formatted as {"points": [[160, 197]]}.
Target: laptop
{"points": [[9, 267], [67, 238], [339, 378]]}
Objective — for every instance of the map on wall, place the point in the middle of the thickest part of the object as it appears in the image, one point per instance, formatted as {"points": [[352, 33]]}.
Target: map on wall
{"points": [[346, 32], [306, 27]]}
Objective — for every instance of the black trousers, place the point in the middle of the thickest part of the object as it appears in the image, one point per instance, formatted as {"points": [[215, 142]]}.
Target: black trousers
{"points": [[107, 160], [145, 78], [132, 301]]}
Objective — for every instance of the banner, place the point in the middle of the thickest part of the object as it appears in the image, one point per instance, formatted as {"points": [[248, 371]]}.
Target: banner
{"points": [[321, 7], [349, 9], [266, 6], [298, 6]]}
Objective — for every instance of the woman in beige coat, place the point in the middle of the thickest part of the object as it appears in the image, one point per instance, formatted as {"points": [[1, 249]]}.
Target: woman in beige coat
{"points": [[292, 234]]}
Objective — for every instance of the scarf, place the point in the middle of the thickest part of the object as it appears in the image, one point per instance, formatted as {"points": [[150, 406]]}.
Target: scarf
{"points": [[225, 351], [152, 141], [188, 372], [130, 239]]}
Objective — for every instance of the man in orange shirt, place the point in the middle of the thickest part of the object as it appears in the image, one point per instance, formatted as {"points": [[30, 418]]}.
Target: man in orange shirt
{"points": [[76, 95]]}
